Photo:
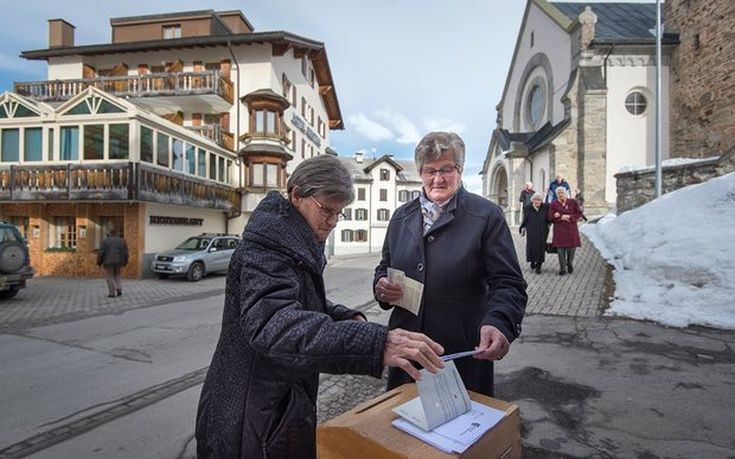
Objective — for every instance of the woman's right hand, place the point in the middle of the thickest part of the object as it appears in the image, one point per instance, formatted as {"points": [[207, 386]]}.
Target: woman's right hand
{"points": [[402, 347], [387, 291]]}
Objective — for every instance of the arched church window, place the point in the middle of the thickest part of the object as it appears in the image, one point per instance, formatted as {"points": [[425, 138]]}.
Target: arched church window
{"points": [[636, 103], [535, 104]]}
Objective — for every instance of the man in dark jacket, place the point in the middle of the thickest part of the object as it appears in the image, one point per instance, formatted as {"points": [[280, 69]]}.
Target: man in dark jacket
{"points": [[112, 256], [459, 247], [279, 331], [558, 182]]}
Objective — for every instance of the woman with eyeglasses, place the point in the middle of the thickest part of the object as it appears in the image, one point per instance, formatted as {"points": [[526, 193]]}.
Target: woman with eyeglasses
{"points": [[279, 331], [459, 247]]}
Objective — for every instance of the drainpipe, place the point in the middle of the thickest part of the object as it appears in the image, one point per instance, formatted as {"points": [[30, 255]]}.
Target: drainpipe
{"points": [[604, 61], [238, 161]]}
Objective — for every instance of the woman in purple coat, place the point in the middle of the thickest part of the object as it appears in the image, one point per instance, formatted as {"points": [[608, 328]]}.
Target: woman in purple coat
{"points": [[564, 213]]}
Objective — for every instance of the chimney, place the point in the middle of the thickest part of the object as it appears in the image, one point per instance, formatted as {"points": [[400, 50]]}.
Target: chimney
{"points": [[587, 19], [358, 157], [60, 34]]}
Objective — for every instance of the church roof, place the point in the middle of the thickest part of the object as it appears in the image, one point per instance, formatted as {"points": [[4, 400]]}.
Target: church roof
{"points": [[617, 22]]}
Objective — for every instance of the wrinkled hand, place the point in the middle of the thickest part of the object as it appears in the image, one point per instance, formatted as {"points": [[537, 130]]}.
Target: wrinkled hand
{"points": [[493, 344], [557, 215], [387, 291], [359, 318], [402, 347], [566, 218]]}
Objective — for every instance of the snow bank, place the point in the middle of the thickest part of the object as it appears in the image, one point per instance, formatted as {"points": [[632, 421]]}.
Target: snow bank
{"points": [[674, 257]]}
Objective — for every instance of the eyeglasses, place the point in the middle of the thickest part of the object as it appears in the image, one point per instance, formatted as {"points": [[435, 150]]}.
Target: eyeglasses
{"points": [[429, 173], [327, 213]]}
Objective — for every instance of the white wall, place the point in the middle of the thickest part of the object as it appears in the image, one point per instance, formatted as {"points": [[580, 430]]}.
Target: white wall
{"points": [[64, 68], [631, 139], [166, 237], [551, 40]]}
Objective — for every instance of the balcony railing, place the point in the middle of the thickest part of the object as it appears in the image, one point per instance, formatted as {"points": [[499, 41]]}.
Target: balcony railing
{"points": [[215, 133], [148, 85], [124, 181]]}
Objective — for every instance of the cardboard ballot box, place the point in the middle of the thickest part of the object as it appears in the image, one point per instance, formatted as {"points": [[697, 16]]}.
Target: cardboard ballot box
{"points": [[366, 432]]}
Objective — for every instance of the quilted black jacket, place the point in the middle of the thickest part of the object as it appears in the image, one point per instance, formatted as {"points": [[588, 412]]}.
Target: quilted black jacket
{"points": [[278, 333]]}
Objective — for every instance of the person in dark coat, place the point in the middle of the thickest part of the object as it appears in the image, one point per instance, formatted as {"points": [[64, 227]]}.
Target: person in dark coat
{"points": [[459, 247], [526, 194], [535, 227], [564, 214], [558, 182], [112, 256], [279, 331]]}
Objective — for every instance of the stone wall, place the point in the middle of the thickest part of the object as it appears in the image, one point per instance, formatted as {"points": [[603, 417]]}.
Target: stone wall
{"points": [[702, 77], [636, 188]]}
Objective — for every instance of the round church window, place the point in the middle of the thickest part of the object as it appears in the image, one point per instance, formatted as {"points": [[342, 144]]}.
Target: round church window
{"points": [[636, 103], [536, 104]]}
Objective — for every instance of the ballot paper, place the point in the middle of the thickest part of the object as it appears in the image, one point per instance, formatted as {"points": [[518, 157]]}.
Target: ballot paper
{"points": [[443, 414], [442, 397], [412, 290]]}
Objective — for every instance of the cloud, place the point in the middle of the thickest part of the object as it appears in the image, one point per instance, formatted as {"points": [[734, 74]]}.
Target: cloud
{"points": [[472, 182], [407, 131], [369, 128]]}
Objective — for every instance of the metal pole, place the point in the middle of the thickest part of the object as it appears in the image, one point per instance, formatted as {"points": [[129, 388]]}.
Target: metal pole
{"points": [[658, 99]]}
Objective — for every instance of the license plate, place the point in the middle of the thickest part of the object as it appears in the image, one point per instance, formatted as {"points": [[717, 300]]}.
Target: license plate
{"points": [[161, 267]]}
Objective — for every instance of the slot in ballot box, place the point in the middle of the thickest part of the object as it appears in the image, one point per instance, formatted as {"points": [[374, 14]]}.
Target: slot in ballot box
{"points": [[366, 432]]}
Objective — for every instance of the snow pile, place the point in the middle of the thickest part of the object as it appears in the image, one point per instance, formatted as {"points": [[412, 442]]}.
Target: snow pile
{"points": [[674, 257], [667, 163]]}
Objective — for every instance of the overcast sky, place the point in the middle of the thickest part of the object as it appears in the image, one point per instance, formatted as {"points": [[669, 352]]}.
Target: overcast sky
{"points": [[401, 67]]}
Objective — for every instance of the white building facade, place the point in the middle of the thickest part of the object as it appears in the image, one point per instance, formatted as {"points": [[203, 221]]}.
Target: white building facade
{"points": [[578, 101], [381, 186]]}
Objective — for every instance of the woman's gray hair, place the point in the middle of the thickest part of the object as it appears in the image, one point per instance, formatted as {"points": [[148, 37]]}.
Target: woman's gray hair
{"points": [[537, 196], [560, 189], [433, 144], [322, 175]]}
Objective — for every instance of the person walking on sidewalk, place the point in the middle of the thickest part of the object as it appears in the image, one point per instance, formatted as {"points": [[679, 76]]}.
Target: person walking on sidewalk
{"points": [[112, 256], [279, 331], [558, 182], [459, 246], [564, 213], [535, 227]]}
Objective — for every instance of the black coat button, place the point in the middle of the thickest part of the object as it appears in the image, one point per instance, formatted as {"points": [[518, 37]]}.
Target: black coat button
{"points": [[431, 238], [420, 267]]}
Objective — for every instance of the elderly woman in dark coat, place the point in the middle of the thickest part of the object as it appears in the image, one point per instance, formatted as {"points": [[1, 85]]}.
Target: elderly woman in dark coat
{"points": [[564, 213], [459, 246], [535, 227], [279, 331]]}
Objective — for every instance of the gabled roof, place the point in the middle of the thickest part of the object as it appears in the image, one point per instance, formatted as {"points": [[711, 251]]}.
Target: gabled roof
{"points": [[405, 170], [616, 21], [385, 158]]}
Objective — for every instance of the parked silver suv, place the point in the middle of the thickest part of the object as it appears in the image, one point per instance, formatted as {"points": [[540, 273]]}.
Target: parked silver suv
{"points": [[15, 267], [196, 256]]}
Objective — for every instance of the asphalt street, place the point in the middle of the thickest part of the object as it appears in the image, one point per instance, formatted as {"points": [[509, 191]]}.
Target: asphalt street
{"points": [[87, 377]]}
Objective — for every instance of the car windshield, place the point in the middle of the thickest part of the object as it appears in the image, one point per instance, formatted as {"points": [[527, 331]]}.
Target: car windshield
{"points": [[194, 243]]}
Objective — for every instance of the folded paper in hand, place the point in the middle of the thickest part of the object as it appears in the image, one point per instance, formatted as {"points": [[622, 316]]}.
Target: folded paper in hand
{"points": [[443, 414], [412, 290]]}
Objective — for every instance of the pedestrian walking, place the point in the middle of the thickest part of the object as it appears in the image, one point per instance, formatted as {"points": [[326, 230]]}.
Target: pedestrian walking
{"points": [[526, 194], [535, 227], [579, 197], [459, 247], [564, 213], [558, 182], [279, 331], [112, 256]]}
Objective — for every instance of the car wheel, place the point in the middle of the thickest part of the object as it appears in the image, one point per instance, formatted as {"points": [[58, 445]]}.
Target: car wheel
{"points": [[12, 256], [196, 272], [8, 294], [162, 275]]}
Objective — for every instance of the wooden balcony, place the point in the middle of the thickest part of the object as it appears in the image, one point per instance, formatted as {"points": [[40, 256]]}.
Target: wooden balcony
{"points": [[215, 133], [152, 85], [124, 181]]}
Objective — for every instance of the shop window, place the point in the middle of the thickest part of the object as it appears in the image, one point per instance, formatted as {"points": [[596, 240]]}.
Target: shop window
{"points": [[347, 211], [201, 162], [10, 145], [361, 194], [191, 159], [63, 234], [361, 236], [383, 215], [212, 166], [348, 236], [162, 150], [105, 226], [146, 144], [33, 144], [119, 141], [177, 155], [94, 141], [383, 195], [361, 214], [69, 147]]}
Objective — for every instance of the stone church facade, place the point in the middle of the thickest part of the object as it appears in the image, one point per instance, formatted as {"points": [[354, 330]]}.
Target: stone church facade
{"points": [[579, 101]]}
